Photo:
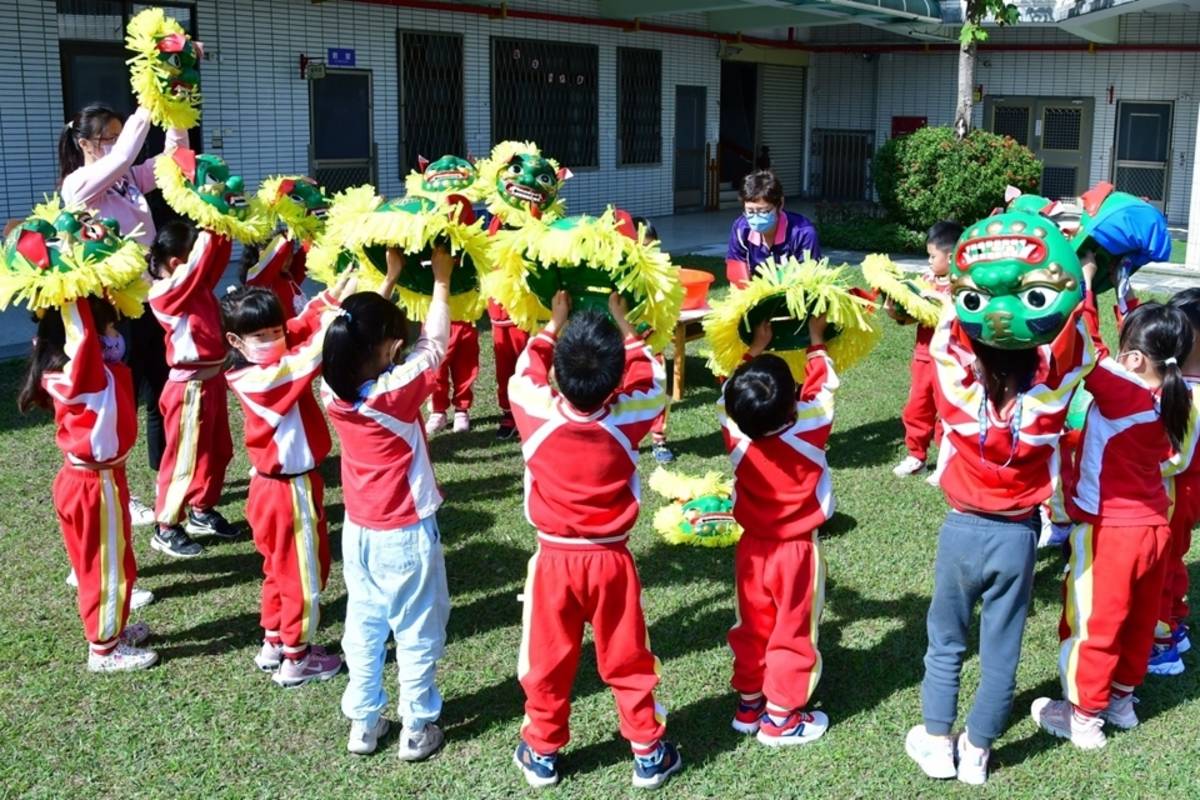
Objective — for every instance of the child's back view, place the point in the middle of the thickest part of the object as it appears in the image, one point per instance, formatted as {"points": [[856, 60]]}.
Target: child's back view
{"points": [[581, 494]]}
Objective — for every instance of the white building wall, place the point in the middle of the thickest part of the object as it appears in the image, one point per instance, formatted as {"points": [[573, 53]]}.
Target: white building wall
{"points": [[845, 86], [256, 105]]}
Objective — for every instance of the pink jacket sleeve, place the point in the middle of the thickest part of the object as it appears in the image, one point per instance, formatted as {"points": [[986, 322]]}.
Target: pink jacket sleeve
{"points": [[143, 174], [92, 180]]}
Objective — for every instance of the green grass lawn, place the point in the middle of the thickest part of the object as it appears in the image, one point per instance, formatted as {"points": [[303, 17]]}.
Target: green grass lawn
{"points": [[1179, 251], [205, 722]]}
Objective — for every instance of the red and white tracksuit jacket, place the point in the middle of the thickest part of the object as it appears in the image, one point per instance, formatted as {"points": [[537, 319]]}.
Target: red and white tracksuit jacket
{"points": [[95, 415], [782, 493], [1182, 476], [287, 439], [582, 496], [508, 342], [387, 478], [919, 415], [1003, 461], [1114, 489], [194, 405], [460, 366], [282, 254]]}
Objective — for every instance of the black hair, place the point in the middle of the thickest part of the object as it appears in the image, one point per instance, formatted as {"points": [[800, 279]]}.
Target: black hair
{"points": [[366, 322], [174, 240], [89, 123], [247, 309], [1163, 334], [944, 235], [761, 185], [250, 256], [50, 354], [651, 231], [1188, 301], [589, 360], [761, 396]]}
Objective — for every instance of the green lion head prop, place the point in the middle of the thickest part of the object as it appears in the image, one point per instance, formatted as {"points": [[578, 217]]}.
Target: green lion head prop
{"points": [[203, 188], [528, 182], [1016, 280], [447, 175], [165, 69], [56, 246]]}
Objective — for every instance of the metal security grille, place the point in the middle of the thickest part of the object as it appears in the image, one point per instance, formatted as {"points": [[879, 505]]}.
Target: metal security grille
{"points": [[548, 92], [1012, 121], [1060, 128], [105, 20], [342, 149], [639, 105], [842, 164], [431, 96], [336, 178], [1058, 182], [1147, 182]]}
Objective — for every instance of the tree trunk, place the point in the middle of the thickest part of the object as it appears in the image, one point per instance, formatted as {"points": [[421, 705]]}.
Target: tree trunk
{"points": [[966, 89]]}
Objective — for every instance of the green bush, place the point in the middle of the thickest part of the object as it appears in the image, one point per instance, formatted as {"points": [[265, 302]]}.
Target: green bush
{"points": [[862, 226], [930, 175]]}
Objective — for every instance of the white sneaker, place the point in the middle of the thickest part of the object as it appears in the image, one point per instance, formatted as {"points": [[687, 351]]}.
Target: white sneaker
{"points": [[364, 740], [933, 754], [911, 465], [462, 422], [420, 745], [972, 761], [1060, 718], [1120, 712], [140, 514], [138, 598], [434, 424], [122, 658]]}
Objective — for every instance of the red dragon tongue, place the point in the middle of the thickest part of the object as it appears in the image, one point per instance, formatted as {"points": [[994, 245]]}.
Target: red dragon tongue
{"points": [[535, 211]]}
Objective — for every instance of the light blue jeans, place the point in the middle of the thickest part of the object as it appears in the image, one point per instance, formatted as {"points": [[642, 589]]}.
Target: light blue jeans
{"points": [[395, 584]]}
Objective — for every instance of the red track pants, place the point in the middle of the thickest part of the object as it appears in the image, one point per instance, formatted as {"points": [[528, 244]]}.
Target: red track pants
{"points": [[198, 446], [287, 517], [461, 366], [92, 511], [1185, 512], [508, 342], [780, 597], [567, 586], [920, 415], [1111, 596]]}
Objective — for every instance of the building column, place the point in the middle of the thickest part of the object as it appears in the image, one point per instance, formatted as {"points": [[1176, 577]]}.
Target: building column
{"points": [[1193, 253]]}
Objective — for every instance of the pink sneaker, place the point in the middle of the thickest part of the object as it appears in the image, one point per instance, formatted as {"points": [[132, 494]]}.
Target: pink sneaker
{"points": [[313, 667], [270, 656]]}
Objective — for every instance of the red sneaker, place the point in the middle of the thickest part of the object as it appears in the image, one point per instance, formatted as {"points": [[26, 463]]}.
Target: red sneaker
{"points": [[749, 715]]}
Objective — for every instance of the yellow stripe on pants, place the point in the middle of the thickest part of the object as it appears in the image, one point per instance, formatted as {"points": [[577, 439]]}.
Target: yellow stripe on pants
{"points": [[112, 559], [188, 444], [304, 534], [1078, 606], [818, 609]]}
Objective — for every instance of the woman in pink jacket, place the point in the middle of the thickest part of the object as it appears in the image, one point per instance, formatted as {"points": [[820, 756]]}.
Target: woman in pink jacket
{"points": [[96, 151]]}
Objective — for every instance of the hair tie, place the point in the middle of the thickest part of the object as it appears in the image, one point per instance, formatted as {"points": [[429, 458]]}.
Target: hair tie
{"points": [[1171, 362], [343, 313], [70, 124]]}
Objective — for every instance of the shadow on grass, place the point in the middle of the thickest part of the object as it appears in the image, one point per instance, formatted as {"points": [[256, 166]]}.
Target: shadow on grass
{"points": [[866, 445]]}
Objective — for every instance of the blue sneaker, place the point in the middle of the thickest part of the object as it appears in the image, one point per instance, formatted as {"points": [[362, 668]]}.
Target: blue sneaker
{"points": [[652, 771], [539, 770], [663, 454], [1180, 638], [1165, 660]]}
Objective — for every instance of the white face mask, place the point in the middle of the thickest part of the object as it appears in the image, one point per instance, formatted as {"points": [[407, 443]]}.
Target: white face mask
{"points": [[264, 352]]}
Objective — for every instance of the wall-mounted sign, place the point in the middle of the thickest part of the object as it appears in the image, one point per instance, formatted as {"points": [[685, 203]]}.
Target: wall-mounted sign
{"points": [[340, 57]]}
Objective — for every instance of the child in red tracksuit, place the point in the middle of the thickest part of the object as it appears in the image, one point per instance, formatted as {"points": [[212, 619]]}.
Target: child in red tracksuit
{"points": [[920, 412], [96, 421], [508, 342], [195, 409], [1115, 492], [776, 434], [581, 494], [1182, 473], [281, 268], [287, 440]]}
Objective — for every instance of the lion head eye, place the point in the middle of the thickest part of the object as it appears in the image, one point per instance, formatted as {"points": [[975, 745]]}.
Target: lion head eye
{"points": [[970, 300], [1038, 298]]}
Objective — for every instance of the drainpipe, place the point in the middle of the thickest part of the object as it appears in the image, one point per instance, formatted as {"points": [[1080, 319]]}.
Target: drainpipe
{"points": [[1193, 252]]}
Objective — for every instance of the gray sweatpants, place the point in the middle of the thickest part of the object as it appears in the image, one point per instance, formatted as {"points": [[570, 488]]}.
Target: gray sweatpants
{"points": [[988, 558]]}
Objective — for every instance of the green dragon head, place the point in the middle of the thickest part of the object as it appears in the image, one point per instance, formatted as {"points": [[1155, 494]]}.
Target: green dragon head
{"points": [[180, 58], [528, 182], [208, 177], [708, 515], [52, 246], [446, 175], [1016, 279]]}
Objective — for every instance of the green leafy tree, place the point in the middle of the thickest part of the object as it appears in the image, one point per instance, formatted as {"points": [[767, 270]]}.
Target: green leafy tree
{"points": [[976, 12]]}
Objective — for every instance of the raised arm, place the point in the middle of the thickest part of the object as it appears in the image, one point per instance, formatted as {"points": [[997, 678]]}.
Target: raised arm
{"points": [[143, 174], [430, 349], [200, 273], [92, 180], [273, 260]]}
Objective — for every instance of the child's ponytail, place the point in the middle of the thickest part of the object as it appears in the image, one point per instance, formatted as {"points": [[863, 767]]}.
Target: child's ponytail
{"points": [[353, 340], [89, 123], [49, 355], [1163, 334]]}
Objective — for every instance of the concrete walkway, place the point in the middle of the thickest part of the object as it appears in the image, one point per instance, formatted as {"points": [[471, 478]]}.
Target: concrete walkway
{"points": [[705, 233]]}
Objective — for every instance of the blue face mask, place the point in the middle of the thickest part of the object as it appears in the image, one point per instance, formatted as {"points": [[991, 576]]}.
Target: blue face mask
{"points": [[762, 221]]}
